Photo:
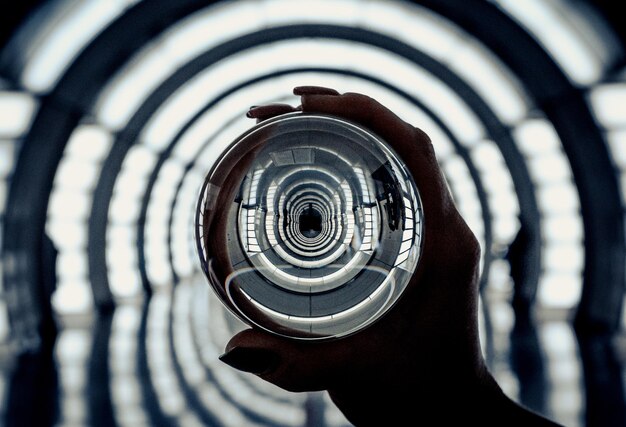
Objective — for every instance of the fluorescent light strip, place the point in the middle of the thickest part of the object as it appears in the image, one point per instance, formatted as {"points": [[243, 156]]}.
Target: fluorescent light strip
{"points": [[124, 376], [73, 31], [560, 352], [71, 355], [561, 224], [183, 249], [17, 110], [124, 210], [465, 194], [551, 25], [498, 185], [537, 140], [72, 296], [72, 264], [286, 12], [68, 210], [69, 204], [76, 174], [490, 79], [122, 262], [607, 101], [124, 281], [160, 363]]}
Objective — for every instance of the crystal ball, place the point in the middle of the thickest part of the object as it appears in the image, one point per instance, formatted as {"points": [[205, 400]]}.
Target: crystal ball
{"points": [[309, 226]]}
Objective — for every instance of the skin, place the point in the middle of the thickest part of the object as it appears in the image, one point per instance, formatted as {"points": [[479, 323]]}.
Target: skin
{"points": [[421, 363]]}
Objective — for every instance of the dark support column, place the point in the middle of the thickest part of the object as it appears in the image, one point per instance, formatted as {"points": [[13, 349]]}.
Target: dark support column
{"points": [[565, 106]]}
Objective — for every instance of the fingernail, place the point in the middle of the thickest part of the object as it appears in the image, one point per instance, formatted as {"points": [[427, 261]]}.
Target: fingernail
{"points": [[250, 110], [314, 90], [254, 360]]}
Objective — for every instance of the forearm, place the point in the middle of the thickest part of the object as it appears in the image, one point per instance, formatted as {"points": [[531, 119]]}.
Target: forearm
{"points": [[482, 403]]}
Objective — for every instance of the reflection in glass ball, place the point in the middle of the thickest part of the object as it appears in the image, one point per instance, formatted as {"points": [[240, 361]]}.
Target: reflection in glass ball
{"points": [[309, 226]]}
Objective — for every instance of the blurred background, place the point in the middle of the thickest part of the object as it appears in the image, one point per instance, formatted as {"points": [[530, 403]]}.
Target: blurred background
{"points": [[112, 112]]}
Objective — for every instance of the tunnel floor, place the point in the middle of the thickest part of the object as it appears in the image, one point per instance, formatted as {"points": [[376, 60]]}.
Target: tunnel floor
{"points": [[155, 363]]}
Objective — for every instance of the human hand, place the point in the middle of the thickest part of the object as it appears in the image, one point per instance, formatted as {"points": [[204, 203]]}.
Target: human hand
{"points": [[422, 359]]}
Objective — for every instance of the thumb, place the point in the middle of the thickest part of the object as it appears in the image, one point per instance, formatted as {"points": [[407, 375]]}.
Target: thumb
{"points": [[289, 364]]}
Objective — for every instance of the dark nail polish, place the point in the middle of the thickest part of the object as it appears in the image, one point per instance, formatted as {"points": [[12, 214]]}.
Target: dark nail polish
{"points": [[252, 108], [253, 360]]}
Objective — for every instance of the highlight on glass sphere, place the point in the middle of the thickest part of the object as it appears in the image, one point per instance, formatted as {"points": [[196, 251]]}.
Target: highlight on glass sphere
{"points": [[309, 226]]}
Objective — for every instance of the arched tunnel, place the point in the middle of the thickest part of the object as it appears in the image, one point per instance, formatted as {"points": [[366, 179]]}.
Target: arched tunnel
{"points": [[112, 113]]}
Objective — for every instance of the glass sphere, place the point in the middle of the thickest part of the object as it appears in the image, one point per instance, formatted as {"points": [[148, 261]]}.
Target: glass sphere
{"points": [[309, 226]]}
